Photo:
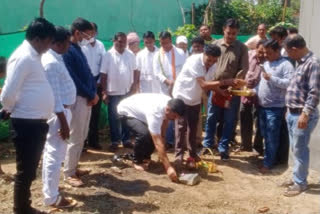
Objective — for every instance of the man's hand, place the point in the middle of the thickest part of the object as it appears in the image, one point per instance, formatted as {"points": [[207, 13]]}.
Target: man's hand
{"points": [[94, 101], [105, 97], [266, 76], [171, 172], [169, 83], [239, 83], [4, 114], [303, 121], [64, 131]]}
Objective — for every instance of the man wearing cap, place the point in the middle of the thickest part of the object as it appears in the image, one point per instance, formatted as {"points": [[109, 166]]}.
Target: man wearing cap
{"points": [[182, 43]]}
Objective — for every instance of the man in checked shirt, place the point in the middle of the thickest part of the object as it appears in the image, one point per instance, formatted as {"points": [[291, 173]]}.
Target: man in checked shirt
{"points": [[302, 99]]}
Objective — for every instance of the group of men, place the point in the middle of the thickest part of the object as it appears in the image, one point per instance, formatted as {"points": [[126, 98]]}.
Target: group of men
{"points": [[57, 79]]}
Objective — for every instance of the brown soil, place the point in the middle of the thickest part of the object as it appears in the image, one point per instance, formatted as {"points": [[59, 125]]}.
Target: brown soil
{"points": [[239, 188]]}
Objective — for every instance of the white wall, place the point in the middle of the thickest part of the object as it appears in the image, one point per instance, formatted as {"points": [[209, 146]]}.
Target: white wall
{"points": [[309, 28]]}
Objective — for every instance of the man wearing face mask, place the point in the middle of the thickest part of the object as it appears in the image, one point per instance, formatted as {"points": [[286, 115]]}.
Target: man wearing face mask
{"points": [[27, 95], [94, 53], [87, 97]]}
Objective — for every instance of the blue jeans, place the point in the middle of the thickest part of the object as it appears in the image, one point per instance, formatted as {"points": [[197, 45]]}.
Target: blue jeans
{"points": [[170, 133], [118, 132], [270, 126], [299, 144], [229, 120]]}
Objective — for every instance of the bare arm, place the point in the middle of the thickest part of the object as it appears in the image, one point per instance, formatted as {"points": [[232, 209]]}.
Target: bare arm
{"points": [[214, 85]]}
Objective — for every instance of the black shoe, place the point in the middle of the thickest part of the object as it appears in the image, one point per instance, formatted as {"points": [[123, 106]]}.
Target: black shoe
{"points": [[128, 146], [224, 156], [96, 146], [113, 148]]}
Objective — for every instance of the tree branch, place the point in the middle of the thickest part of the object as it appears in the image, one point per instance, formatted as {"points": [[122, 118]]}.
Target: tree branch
{"points": [[41, 8]]}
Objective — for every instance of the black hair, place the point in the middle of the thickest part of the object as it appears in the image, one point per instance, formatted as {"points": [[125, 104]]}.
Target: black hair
{"points": [[207, 26], [292, 30], [261, 42], [279, 31], [232, 23], [165, 35], [177, 106], [95, 26], [119, 34], [80, 24], [273, 44], [62, 34], [40, 28], [212, 50], [198, 40], [295, 41], [3, 64], [148, 34]]}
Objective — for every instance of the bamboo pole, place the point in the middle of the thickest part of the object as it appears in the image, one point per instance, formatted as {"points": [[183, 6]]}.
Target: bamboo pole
{"points": [[284, 10], [193, 13], [41, 8]]}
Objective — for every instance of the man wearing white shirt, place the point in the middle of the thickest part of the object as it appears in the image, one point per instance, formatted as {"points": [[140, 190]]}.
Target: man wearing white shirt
{"points": [[64, 91], [182, 43], [147, 122], [94, 53], [145, 57], [196, 76], [167, 64], [27, 95], [261, 35], [119, 80]]}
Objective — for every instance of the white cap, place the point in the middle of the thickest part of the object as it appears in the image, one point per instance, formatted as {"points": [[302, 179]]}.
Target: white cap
{"points": [[181, 39]]}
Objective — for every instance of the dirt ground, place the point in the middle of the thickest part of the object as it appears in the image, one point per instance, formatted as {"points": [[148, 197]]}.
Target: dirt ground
{"points": [[239, 188]]}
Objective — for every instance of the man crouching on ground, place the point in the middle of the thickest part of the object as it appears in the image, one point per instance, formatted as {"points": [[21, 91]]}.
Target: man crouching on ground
{"points": [[146, 116]]}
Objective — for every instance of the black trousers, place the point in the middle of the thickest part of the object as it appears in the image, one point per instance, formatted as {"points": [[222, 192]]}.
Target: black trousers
{"points": [[29, 137], [93, 135], [186, 132], [144, 145], [249, 117], [283, 151]]}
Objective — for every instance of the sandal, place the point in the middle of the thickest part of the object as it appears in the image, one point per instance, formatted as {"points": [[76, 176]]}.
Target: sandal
{"points": [[82, 172], [63, 202], [294, 190], [74, 181]]}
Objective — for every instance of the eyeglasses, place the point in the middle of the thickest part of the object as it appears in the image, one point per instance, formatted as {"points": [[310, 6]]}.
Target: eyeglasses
{"points": [[87, 35]]}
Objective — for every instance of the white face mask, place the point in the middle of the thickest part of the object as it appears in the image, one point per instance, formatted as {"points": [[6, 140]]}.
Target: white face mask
{"points": [[84, 42], [92, 40]]}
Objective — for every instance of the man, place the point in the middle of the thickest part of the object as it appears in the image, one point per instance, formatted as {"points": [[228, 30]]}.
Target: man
{"points": [[249, 105], [119, 80], [205, 34], [292, 30], [3, 65], [233, 63], [148, 83], [133, 42], [197, 45], [271, 92], [279, 34], [64, 92], [261, 35], [196, 76], [182, 43], [79, 70], [147, 122], [27, 95], [167, 64], [94, 53], [302, 99]]}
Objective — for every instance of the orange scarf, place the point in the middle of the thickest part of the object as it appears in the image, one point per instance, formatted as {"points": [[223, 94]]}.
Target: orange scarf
{"points": [[173, 63]]}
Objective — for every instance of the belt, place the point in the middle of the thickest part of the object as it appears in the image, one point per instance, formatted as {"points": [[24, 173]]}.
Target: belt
{"points": [[295, 110], [67, 106], [29, 120]]}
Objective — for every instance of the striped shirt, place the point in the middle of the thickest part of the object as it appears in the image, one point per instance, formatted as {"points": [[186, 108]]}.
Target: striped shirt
{"points": [[304, 88]]}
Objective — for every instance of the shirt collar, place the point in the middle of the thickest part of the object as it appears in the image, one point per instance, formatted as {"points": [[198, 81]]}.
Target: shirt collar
{"points": [[227, 45], [29, 47], [113, 50], [303, 59], [56, 55]]}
